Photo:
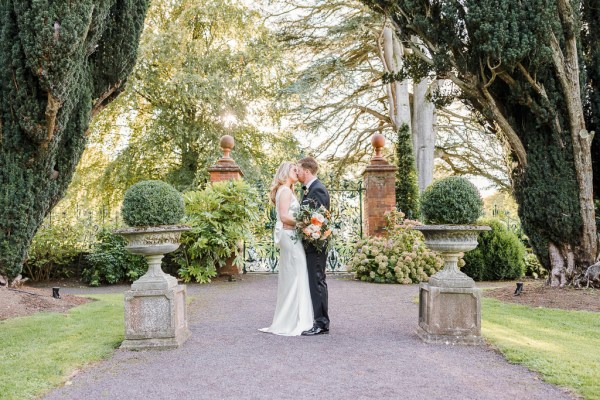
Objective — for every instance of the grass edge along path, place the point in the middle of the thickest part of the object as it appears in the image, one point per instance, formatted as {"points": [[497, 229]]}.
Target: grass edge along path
{"points": [[40, 352], [561, 345]]}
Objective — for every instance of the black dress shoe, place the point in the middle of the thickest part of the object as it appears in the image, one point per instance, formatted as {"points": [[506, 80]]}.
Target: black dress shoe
{"points": [[315, 330]]}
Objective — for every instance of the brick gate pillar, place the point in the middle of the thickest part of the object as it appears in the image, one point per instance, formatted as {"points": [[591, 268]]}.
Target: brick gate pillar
{"points": [[380, 189], [226, 169]]}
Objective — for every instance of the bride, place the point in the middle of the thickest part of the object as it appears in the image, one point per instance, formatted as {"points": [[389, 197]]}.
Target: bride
{"points": [[293, 312]]}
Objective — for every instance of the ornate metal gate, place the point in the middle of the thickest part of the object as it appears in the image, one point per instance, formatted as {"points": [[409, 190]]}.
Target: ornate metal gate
{"points": [[346, 207]]}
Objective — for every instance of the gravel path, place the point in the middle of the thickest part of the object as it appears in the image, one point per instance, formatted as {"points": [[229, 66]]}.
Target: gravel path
{"points": [[371, 352]]}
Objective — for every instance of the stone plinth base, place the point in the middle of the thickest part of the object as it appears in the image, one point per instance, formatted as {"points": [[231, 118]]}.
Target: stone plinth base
{"points": [[449, 315], [155, 319]]}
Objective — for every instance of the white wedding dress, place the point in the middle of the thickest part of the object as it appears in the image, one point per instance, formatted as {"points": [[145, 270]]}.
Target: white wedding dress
{"points": [[293, 312]]}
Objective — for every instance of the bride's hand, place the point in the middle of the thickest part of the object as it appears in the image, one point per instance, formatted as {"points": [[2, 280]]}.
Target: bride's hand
{"points": [[288, 226]]}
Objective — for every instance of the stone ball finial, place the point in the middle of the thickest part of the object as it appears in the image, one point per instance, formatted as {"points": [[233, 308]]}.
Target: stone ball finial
{"points": [[378, 142], [227, 144]]}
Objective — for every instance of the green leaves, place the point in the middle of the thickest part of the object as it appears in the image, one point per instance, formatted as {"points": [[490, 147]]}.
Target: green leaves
{"points": [[152, 203], [57, 67], [222, 217], [452, 200], [499, 255], [407, 187], [205, 69], [110, 261], [399, 257]]}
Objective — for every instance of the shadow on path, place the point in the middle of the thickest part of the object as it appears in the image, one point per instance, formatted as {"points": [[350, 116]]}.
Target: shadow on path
{"points": [[371, 352]]}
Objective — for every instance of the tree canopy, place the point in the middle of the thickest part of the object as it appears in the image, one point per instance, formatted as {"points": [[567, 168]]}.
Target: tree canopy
{"points": [[205, 69]]}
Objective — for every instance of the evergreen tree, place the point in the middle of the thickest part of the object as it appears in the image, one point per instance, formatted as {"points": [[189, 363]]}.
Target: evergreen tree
{"points": [[531, 68], [61, 62], [407, 186]]}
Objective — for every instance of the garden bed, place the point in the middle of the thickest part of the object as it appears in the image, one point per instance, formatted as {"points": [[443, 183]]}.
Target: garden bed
{"points": [[29, 300], [537, 294]]}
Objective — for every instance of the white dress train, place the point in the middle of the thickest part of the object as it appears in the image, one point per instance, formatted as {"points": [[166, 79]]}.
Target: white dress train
{"points": [[293, 312]]}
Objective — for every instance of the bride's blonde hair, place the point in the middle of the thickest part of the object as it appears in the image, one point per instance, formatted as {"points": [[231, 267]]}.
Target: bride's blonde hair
{"points": [[280, 178]]}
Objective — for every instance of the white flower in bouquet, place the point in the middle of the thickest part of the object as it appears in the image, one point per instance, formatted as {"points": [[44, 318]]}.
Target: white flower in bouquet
{"points": [[319, 217]]}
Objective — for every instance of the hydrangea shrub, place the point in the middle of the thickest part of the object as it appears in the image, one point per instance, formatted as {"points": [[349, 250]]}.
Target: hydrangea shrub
{"points": [[399, 257]]}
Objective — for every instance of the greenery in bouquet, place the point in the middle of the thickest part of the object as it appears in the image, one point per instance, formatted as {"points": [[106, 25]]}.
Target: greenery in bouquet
{"points": [[314, 226], [398, 257]]}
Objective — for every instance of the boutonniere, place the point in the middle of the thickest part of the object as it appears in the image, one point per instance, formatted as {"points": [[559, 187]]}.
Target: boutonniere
{"points": [[305, 189]]}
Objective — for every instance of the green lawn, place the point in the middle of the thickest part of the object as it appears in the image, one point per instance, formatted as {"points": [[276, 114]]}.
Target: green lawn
{"points": [[39, 352], [561, 345]]}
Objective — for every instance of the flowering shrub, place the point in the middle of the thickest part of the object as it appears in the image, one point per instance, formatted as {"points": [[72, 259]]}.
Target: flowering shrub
{"points": [[399, 257], [533, 267]]}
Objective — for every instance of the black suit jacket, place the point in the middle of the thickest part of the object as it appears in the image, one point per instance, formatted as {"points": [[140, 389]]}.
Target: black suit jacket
{"points": [[317, 195]]}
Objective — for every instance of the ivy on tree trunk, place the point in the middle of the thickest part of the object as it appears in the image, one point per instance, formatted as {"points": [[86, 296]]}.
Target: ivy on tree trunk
{"points": [[61, 62]]}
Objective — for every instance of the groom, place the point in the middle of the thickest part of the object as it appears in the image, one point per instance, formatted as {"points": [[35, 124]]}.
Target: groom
{"points": [[315, 195]]}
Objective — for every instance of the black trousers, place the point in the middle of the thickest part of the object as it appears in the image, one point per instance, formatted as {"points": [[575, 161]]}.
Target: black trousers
{"points": [[316, 263]]}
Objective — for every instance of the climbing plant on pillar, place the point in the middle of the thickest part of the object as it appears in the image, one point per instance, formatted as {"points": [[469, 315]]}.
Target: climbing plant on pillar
{"points": [[61, 62]]}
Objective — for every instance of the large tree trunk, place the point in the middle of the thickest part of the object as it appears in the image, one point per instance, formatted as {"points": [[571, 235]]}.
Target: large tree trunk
{"points": [[60, 62], [398, 96], [420, 117], [423, 132]]}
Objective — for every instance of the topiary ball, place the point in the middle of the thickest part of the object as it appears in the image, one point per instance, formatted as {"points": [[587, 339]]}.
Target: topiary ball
{"points": [[152, 203], [452, 200]]}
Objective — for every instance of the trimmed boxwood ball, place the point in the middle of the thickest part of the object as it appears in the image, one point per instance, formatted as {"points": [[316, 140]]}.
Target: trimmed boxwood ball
{"points": [[452, 200], [152, 203]]}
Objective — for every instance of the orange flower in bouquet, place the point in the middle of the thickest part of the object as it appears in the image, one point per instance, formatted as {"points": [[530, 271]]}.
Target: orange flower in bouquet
{"points": [[314, 226]]}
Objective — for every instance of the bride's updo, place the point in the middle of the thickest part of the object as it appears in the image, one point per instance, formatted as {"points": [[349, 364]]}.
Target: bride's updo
{"points": [[280, 178]]}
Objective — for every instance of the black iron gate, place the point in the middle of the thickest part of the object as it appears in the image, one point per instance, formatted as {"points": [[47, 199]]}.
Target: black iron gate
{"points": [[261, 255]]}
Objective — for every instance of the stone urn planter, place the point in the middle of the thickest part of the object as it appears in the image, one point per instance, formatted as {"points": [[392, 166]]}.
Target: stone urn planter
{"points": [[450, 304], [451, 241], [153, 243], [155, 307]]}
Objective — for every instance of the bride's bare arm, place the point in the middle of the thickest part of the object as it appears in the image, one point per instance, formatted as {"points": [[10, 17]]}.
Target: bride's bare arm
{"points": [[285, 199]]}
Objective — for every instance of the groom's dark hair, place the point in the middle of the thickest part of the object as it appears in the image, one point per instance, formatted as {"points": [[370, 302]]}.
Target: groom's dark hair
{"points": [[310, 164]]}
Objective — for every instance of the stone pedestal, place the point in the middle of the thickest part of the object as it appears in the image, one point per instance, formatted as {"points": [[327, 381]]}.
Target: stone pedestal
{"points": [[155, 319], [450, 304], [380, 190], [155, 308], [449, 315]]}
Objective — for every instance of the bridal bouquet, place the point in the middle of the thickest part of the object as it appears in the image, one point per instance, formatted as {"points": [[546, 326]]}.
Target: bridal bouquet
{"points": [[314, 225]]}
